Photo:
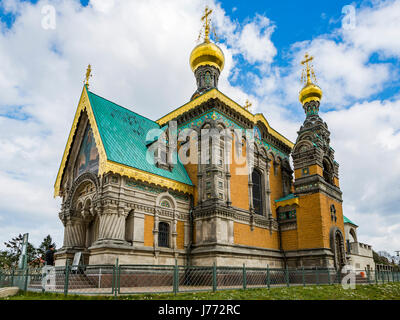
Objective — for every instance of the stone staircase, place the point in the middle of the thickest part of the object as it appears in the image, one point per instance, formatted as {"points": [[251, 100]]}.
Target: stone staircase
{"points": [[75, 281]]}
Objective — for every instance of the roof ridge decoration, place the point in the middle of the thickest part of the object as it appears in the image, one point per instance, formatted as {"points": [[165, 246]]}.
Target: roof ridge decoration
{"points": [[215, 93], [106, 165]]}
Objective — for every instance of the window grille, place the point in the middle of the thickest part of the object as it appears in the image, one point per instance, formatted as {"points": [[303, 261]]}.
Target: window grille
{"points": [[163, 234]]}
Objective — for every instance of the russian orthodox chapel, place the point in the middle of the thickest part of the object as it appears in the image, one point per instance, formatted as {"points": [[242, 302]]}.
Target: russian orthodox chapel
{"points": [[121, 201]]}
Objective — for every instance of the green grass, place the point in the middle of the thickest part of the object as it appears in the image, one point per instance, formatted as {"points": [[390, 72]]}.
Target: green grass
{"points": [[389, 291]]}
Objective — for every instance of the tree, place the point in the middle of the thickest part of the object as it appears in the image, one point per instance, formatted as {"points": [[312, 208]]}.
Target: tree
{"points": [[10, 257]]}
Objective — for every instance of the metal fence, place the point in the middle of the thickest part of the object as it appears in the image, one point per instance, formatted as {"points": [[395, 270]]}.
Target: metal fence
{"points": [[133, 279]]}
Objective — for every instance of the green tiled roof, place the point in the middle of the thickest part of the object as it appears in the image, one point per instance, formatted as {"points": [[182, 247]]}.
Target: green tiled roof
{"points": [[288, 197], [123, 133], [347, 220]]}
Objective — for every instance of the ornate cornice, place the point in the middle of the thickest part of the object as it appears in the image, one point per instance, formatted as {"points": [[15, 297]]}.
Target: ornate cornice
{"points": [[215, 94], [140, 175]]}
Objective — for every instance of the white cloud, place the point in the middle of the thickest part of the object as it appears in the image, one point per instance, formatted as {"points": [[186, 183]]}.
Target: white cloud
{"points": [[366, 138], [377, 29], [139, 51]]}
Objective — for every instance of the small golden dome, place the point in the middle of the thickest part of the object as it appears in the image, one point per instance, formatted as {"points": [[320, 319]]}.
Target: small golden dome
{"points": [[207, 53], [310, 92]]}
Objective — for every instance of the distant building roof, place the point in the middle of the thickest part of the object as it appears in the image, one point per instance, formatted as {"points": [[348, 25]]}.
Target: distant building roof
{"points": [[347, 220]]}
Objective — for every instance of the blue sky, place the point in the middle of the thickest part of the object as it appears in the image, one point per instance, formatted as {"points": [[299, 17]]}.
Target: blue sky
{"points": [[144, 66]]}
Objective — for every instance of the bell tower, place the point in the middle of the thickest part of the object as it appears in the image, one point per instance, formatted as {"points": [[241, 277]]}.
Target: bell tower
{"points": [[206, 60], [319, 216]]}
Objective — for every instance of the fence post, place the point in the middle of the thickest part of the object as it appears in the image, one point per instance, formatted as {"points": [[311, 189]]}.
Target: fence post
{"points": [[214, 277], [244, 277], [26, 280], [303, 276], [268, 278], [369, 276], [329, 276], [66, 280], [176, 280], [317, 275], [12, 276], [287, 276], [116, 279]]}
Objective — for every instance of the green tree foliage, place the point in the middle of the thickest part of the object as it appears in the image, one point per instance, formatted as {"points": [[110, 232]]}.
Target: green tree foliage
{"points": [[9, 258]]}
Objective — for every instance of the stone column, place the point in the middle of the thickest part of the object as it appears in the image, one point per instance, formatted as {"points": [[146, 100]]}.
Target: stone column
{"points": [[67, 234], [174, 233], [268, 212], [251, 192], [155, 230], [138, 228], [112, 225], [227, 158], [76, 233]]}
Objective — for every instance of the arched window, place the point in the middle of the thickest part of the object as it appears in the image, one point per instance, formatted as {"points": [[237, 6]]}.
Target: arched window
{"points": [[353, 236], [333, 213], [129, 227], [163, 234], [165, 204], [207, 78], [257, 192], [328, 172]]}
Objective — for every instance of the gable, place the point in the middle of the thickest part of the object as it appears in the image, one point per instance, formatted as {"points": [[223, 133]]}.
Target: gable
{"points": [[216, 94], [68, 159], [115, 141]]}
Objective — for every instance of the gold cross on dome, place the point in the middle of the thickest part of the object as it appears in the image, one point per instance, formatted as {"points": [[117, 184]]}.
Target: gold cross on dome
{"points": [[206, 20], [88, 74], [248, 104], [308, 69]]}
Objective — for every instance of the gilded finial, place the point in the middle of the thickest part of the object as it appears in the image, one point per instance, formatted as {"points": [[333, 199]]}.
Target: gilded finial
{"points": [[206, 25], [247, 105], [309, 70], [311, 91], [88, 75]]}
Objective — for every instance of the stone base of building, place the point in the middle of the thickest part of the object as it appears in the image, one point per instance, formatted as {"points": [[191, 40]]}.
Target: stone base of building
{"points": [[310, 258], [107, 253], [66, 255], [235, 256]]}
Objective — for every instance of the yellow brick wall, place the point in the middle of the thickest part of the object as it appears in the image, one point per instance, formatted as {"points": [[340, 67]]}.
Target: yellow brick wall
{"points": [[314, 220], [314, 169], [336, 181], [259, 237], [327, 222], [239, 183], [309, 222], [191, 169], [148, 230], [289, 240], [180, 238]]}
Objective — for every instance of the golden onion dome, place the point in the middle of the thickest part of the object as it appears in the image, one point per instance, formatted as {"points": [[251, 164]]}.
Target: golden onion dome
{"points": [[310, 92], [207, 53]]}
